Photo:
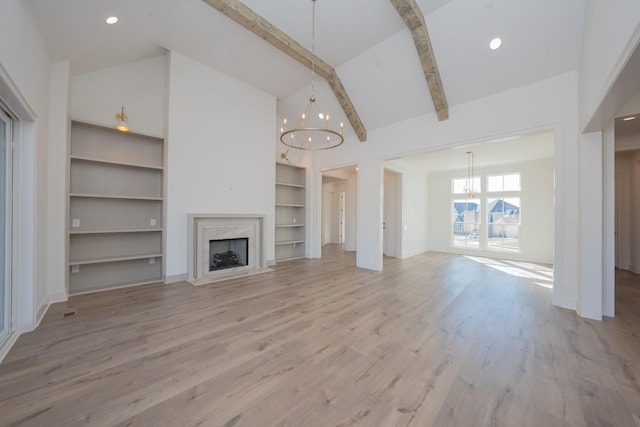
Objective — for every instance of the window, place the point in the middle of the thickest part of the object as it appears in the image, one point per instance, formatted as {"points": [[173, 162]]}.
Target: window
{"points": [[502, 219], [460, 185], [503, 224], [466, 220], [510, 182]]}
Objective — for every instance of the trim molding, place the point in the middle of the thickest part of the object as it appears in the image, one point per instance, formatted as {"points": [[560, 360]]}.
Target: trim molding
{"points": [[175, 278]]}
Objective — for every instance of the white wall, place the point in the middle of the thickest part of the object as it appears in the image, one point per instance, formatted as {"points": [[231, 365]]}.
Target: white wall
{"points": [[536, 197], [220, 152], [611, 32], [547, 104], [57, 182], [139, 86], [26, 65], [590, 292]]}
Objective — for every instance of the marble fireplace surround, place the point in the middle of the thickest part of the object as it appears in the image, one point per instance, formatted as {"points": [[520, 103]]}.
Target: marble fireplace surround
{"points": [[205, 227]]}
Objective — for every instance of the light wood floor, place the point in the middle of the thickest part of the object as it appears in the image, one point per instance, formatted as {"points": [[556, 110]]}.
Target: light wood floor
{"points": [[434, 340]]}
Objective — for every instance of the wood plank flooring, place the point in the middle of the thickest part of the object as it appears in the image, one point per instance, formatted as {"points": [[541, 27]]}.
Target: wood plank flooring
{"points": [[434, 340]]}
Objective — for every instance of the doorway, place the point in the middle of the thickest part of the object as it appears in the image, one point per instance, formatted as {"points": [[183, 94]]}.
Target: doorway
{"points": [[627, 195], [339, 213]]}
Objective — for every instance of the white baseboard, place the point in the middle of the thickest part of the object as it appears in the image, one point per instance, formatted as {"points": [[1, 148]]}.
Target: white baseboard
{"points": [[271, 262], [60, 296], [52, 298], [41, 312], [4, 349], [175, 278]]}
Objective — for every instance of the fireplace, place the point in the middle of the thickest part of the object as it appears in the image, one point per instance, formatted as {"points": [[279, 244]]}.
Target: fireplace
{"points": [[225, 246], [228, 253]]}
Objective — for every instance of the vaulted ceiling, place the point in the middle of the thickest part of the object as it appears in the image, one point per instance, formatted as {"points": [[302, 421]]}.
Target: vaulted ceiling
{"points": [[366, 41]]}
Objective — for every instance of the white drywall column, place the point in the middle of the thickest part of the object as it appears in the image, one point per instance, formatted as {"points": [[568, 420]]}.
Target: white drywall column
{"points": [[351, 232], [591, 215], [370, 190], [609, 240], [57, 181], [313, 243]]}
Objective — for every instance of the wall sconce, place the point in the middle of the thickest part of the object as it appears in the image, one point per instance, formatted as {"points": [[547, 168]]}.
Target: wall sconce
{"points": [[122, 121], [285, 156]]}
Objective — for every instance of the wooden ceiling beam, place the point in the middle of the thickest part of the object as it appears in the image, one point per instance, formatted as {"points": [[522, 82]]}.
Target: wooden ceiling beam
{"points": [[259, 26], [414, 19]]}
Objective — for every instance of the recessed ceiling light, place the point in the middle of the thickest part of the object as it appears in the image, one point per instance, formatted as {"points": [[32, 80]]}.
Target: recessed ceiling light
{"points": [[495, 43], [112, 20], [626, 119]]}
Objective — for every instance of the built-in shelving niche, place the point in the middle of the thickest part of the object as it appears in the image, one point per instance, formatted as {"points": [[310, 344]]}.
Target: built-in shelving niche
{"points": [[116, 204], [290, 212]]}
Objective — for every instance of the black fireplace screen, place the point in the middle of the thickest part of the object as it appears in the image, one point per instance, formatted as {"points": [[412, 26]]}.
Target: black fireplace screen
{"points": [[228, 253]]}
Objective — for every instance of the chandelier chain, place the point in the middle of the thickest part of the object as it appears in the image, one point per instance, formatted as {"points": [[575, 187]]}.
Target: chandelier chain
{"points": [[312, 131]]}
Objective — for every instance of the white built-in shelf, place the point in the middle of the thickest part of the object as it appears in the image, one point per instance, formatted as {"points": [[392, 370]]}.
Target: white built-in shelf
{"points": [[289, 242], [111, 162], [290, 212], [108, 196], [133, 230], [116, 193], [113, 259], [288, 184]]}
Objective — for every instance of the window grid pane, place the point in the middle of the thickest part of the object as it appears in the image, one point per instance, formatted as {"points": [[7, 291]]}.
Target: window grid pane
{"points": [[460, 185], [467, 219], [507, 182], [503, 224]]}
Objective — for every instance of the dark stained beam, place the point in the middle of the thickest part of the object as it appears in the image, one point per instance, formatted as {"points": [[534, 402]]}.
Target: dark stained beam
{"points": [[414, 19], [259, 26]]}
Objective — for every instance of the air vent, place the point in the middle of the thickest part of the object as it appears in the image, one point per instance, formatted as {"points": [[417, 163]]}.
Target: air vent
{"points": [[69, 314]]}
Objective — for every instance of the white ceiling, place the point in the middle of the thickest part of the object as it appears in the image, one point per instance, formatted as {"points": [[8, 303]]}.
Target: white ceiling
{"points": [[365, 40], [511, 150]]}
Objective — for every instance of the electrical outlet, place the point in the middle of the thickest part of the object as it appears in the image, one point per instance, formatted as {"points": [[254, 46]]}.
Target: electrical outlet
{"points": [[295, 244], [294, 220], [75, 223], [75, 269], [152, 222], [152, 260]]}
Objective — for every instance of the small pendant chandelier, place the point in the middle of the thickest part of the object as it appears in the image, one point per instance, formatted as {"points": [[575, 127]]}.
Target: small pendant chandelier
{"points": [[468, 188], [122, 118], [313, 131]]}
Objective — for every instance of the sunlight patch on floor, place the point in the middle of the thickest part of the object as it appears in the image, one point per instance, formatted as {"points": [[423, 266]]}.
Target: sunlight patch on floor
{"points": [[542, 275]]}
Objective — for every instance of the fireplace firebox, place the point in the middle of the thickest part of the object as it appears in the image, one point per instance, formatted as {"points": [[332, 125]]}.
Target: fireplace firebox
{"points": [[228, 253]]}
